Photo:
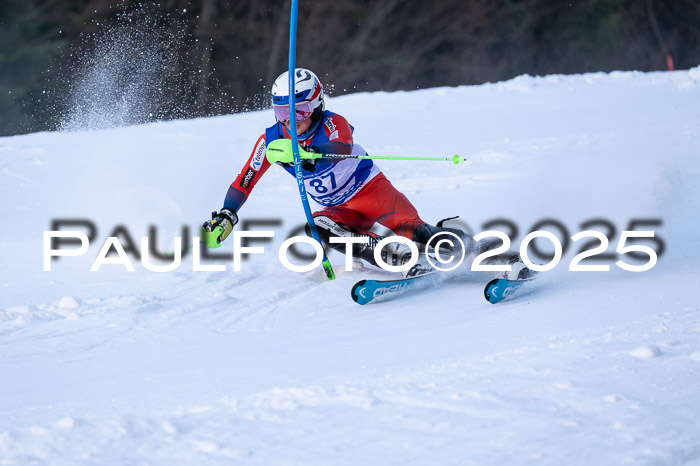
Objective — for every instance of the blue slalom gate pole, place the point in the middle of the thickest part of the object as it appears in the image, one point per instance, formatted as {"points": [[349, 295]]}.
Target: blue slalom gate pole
{"points": [[293, 132]]}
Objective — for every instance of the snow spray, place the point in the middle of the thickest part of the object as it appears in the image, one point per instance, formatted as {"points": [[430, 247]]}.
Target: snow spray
{"points": [[128, 73]]}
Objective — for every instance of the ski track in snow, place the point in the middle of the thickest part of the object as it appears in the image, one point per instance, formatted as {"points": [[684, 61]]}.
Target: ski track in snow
{"points": [[266, 366]]}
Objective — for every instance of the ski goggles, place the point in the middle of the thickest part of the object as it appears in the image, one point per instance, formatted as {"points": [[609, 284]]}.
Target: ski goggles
{"points": [[303, 111]]}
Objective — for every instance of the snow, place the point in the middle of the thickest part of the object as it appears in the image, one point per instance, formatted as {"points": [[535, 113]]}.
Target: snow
{"points": [[267, 366]]}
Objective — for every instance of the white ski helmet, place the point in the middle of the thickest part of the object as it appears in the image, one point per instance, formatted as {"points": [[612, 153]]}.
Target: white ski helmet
{"points": [[308, 96]]}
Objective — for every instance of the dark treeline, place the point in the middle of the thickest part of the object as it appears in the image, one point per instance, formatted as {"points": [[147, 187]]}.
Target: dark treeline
{"points": [[235, 49]]}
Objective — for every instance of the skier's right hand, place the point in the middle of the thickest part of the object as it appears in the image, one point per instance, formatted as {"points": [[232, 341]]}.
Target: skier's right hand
{"points": [[217, 229]]}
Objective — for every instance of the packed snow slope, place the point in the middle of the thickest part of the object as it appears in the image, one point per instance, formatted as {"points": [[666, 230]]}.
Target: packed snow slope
{"points": [[267, 366]]}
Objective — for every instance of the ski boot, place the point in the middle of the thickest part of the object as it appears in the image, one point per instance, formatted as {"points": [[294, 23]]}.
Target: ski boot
{"points": [[328, 228], [519, 271], [400, 254], [452, 247], [394, 254]]}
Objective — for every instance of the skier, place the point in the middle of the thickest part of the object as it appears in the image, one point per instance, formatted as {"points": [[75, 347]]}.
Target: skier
{"points": [[354, 193]]}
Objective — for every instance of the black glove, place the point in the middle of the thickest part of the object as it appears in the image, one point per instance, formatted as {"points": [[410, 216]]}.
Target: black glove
{"points": [[307, 164], [219, 227]]}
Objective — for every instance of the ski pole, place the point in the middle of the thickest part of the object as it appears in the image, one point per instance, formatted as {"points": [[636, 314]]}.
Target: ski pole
{"points": [[312, 155], [282, 150]]}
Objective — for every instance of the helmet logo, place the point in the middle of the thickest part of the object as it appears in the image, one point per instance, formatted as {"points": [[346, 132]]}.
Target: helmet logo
{"points": [[300, 73]]}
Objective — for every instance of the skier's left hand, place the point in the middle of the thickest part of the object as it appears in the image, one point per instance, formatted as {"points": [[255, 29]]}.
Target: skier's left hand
{"points": [[280, 150]]}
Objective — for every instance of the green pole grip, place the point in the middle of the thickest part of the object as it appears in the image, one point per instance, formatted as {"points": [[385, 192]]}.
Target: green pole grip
{"points": [[211, 238]]}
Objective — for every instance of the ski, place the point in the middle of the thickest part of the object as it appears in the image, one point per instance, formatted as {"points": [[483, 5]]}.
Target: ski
{"points": [[372, 291], [500, 289]]}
